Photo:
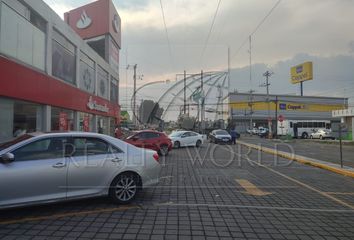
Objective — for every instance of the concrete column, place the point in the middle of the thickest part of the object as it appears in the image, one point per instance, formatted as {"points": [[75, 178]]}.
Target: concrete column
{"points": [[76, 121], [47, 121]]}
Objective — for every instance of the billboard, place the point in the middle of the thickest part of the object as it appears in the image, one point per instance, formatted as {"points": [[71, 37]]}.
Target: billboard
{"points": [[302, 72]]}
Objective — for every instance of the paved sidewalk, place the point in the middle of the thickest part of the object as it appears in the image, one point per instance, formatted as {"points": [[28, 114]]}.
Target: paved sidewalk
{"points": [[307, 148]]}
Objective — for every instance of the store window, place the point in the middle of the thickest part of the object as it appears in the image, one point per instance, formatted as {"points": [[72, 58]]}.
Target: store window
{"points": [[22, 34], [63, 58], [87, 73], [18, 118], [62, 119], [102, 82], [102, 125], [114, 90], [86, 122]]}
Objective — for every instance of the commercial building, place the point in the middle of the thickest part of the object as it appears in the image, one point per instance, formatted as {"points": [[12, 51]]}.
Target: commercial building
{"points": [[347, 120], [55, 74], [247, 109]]}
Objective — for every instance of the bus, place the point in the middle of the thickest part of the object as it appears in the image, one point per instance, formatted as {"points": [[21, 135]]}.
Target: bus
{"points": [[301, 128]]}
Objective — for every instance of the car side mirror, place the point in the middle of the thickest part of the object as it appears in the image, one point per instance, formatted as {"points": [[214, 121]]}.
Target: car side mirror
{"points": [[7, 158]]}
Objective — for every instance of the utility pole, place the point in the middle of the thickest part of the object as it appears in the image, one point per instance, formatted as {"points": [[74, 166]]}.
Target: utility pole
{"points": [[134, 100], [228, 86], [251, 91], [202, 111], [134, 92], [267, 74], [184, 93], [250, 104]]}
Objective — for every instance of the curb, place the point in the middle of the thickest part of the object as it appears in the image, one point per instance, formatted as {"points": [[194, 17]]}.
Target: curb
{"points": [[302, 159]]}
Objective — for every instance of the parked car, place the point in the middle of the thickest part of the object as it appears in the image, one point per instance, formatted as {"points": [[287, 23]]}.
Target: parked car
{"points": [[253, 131], [263, 132], [150, 139], [322, 134], [220, 136], [52, 167], [186, 138]]}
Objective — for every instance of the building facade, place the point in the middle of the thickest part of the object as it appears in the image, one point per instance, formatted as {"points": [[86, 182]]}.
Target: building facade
{"points": [[256, 109], [56, 75], [347, 120]]}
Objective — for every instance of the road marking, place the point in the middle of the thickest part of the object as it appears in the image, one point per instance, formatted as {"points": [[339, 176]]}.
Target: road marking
{"points": [[167, 204], [71, 214], [340, 193], [297, 182], [251, 189]]}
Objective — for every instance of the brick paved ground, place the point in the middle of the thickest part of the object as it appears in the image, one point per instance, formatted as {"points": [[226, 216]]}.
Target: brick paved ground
{"points": [[201, 198]]}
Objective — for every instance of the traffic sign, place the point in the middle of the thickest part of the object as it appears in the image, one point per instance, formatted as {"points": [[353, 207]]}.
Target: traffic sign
{"points": [[281, 118]]}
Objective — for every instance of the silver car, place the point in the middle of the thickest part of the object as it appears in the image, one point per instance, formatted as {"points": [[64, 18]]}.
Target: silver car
{"points": [[322, 134], [51, 167]]}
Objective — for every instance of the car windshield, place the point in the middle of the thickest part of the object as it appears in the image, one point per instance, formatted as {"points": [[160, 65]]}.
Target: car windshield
{"points": [[221, 132], [176, 134], [15, 141]]}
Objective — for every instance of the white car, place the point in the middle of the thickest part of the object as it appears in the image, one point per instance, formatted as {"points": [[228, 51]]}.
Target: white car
{"points": [[52, 167], [186, 138], [322, 134]]}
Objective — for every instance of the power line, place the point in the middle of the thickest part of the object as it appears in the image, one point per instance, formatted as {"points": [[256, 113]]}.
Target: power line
{"points": [[211, 29], [168, 39], [257, 27]]}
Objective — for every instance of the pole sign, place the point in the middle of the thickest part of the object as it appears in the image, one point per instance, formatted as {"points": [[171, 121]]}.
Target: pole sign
{"points": [[301, 73], [281, 118]]}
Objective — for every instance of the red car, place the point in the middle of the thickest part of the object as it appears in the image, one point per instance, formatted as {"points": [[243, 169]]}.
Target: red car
{"points": [[154, 140]]}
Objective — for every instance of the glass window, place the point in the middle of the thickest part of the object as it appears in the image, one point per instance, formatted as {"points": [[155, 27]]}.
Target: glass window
{"points": [[87, 74], [305, 125], [102, 125], [20, 39], [291, 124], [90, 146], [102, 82], [299, 124], [114, 90], [316, 124], [62, 119], [49, 148], [150, 135], [86, 122], [310, 125], [63, 58]]}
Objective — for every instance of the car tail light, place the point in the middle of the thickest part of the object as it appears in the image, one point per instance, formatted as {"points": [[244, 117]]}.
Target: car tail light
{"points": [[156, 157]]}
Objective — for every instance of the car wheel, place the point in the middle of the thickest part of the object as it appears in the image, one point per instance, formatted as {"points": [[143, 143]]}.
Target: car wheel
{"points": [[198, 143], [177, 144], [124, 188], [305, 135], [163, 150]]}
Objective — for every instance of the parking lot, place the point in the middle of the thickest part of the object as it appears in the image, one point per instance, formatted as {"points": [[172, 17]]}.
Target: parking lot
{"points": [[214, 192], [317, 149]]}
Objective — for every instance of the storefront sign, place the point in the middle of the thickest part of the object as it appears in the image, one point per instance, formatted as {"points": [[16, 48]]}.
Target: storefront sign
{"points": [[93, 105], [63, 121]]}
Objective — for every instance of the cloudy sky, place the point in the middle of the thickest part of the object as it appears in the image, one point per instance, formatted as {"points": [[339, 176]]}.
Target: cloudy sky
{"points": [[296, 31]]}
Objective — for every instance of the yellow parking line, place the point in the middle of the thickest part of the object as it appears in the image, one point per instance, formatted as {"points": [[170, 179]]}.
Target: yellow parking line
{"points": [[341, 193], [71, 214], [250, 188]]}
